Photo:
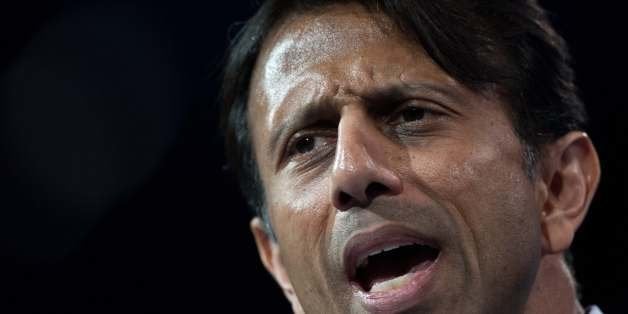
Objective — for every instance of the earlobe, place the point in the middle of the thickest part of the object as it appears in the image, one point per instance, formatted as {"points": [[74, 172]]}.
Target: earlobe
{"points": [[270, 256], [571, 172]]}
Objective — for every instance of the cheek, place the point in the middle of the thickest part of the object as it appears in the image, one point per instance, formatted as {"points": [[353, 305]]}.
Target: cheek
{"points": [[492, 202], [300, 214], [301, 217], [495, 199], [479, 170]]}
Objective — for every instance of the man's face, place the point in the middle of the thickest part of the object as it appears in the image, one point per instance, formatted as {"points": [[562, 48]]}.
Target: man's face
{"points": [[365, 145]]}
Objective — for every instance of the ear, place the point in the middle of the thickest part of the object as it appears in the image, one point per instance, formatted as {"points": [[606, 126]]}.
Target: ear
{"points": [[570, 175], [269, 253]]}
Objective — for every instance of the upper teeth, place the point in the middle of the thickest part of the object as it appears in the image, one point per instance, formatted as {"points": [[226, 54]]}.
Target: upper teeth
{"points": [[363, 260]]}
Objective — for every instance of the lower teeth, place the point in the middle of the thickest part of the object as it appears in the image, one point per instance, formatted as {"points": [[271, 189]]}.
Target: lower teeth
{"points": [[392, 283]]}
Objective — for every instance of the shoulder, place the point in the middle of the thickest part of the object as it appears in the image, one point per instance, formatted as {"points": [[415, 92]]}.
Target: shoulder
{"points": [[593, 309]]}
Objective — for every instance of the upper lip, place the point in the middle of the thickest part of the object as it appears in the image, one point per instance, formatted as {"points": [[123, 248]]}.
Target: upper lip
{"points": [[377, 239]]}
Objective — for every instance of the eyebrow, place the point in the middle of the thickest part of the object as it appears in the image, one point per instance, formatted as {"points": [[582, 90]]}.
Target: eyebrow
{"points": [[375, 100]]}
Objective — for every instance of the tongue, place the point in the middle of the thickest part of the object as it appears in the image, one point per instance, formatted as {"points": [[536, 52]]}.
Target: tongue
{"points": [[396, 282], [389, 270], [391, 284]]}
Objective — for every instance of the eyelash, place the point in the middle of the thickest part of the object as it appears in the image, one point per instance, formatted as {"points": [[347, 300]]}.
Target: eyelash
{"points": [[316, 135], [426, 112]]}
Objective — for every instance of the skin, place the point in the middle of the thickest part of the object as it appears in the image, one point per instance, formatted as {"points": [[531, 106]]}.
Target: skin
{"points": [[453, 172]]}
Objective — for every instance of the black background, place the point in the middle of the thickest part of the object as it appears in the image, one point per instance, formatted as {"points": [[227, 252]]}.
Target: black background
{"points": [[112, 194]]}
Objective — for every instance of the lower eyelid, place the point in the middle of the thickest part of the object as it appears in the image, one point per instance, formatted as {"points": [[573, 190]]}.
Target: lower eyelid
{"points": [[311, 162]]}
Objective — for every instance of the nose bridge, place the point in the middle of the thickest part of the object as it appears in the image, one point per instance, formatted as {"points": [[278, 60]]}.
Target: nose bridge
{"points": [[352, 152], [361, 171]]}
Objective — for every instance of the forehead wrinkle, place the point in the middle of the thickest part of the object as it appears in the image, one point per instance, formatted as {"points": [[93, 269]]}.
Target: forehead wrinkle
{"points": [[300, 90], [308, 44], [299, 46]]}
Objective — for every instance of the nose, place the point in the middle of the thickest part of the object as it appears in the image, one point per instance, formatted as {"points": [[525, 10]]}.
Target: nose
{"points": [[361, 171]]}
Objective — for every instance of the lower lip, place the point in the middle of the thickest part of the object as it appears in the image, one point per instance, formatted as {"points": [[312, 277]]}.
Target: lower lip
{"points": [[402, 298]]}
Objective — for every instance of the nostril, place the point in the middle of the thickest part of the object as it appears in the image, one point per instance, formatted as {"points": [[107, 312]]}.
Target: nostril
{"points": [[344, 198], [375, 189]]}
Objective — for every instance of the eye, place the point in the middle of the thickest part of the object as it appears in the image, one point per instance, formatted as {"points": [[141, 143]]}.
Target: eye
{"points": [[412, 114], [310, 144], [310, 149], [416, 118], [304, 144]]}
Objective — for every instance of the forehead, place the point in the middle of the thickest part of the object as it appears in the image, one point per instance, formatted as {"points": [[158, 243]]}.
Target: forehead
{"points": [[305, 40], [311, 54], [319, 35]]}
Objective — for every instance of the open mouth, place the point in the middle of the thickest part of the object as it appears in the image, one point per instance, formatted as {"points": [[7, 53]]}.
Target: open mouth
{"points": [[390, 267]]}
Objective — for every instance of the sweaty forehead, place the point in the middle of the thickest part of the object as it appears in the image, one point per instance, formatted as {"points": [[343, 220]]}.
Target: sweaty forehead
{"points": [[305, 52], [317, 36]]}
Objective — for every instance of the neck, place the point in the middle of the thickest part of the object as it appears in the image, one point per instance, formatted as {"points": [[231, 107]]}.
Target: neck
{"points": [[554, 289]]}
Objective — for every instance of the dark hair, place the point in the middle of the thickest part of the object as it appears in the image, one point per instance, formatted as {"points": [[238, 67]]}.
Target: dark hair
{"points": [[493, 45]]}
